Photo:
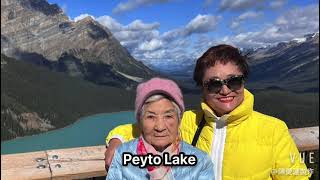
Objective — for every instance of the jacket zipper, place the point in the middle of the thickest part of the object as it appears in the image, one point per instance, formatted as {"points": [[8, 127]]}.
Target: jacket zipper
{"points": [[217, 149]]}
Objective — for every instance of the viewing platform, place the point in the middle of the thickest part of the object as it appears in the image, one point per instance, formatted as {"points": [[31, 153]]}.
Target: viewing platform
{"points": [[88, 162]]}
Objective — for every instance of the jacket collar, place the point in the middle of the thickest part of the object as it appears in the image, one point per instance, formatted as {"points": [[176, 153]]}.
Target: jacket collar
{"points": [[239, 114]]}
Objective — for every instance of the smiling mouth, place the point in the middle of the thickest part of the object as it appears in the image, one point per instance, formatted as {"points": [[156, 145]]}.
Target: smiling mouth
{"points": [[226, 99], [161, 136]]}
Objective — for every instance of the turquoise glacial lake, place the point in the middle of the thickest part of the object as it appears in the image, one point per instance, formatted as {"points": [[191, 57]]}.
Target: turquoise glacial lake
{"points": [[87, 131]]}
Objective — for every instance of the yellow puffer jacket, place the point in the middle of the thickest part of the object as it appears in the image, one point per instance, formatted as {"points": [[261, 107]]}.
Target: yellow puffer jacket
{"points": [[244, 144]]}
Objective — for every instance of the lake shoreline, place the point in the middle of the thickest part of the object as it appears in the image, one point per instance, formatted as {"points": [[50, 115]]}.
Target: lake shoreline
{"points": [[64, 126], [86, 131]]}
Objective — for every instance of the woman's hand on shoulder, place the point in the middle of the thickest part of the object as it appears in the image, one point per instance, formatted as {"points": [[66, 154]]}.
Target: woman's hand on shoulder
{"points": [[113, 144]]}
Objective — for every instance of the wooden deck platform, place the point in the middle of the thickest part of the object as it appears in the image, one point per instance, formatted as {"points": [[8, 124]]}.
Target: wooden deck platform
{"points": [[87, 162]]}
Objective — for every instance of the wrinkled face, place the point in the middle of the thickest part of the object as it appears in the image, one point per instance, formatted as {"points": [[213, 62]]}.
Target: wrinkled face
{"points": [[160, 124], [226, 100]]}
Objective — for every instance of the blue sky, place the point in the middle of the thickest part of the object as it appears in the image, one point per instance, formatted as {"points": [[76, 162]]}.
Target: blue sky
{"points": [[175, 31]]}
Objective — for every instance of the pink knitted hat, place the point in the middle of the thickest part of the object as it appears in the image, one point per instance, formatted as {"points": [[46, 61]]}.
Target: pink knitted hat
{"points": [[157, 86]]}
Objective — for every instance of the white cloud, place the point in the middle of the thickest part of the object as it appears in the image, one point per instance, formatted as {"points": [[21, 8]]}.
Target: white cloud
{"points": [[132, 39], [151, 45], [110, 23], [294, 23], [236, 23], [138, 25], [82, 16], [172, 34], [239, 4], [300, 21], [200, 24], [134, 33], [268, 36], [142, 35], [154, 55], [277, 3], [282, 21], [249, 15], [133, 4]]}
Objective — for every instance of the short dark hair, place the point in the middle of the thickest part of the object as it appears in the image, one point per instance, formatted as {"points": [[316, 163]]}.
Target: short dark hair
{"points": [[221, 53]]}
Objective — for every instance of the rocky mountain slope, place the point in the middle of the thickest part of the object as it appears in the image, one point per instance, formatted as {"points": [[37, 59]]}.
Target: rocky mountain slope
{"points": [[39, 32], [292, 66]]}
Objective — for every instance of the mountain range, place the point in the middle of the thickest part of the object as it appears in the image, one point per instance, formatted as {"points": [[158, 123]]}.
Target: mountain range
{"points": [[55, 71], [292, 66], [40, 33]]}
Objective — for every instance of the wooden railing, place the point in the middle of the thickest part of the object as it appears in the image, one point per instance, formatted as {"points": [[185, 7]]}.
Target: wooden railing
{"points": [[87, 162]]}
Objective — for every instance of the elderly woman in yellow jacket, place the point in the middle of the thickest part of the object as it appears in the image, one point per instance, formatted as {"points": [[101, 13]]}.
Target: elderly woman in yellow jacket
{"points": [[243, 143]]}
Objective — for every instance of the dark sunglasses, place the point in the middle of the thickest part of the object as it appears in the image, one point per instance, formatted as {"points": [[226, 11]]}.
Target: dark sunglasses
{"points": [[233, 83]]}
